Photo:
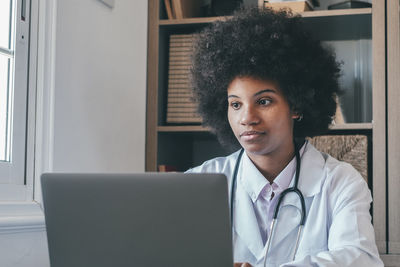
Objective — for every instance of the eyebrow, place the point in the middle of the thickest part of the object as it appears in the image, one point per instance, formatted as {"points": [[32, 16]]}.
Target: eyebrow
{"points": [[258, 93]]}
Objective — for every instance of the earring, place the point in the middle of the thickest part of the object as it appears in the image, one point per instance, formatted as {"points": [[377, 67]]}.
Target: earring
{"points": [[299, 118]]}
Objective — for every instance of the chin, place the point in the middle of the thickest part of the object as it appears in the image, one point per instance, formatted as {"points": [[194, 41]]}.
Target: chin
{"points": [[256, 149]]}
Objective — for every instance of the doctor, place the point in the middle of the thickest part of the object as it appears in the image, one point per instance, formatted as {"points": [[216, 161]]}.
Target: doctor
{"points": [[262, 81]]}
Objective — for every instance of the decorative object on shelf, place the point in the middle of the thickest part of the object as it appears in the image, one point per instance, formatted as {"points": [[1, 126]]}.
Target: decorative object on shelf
{"points": [[224, 7], [294, 5], [180, 105], [186, 8], [351, 4], [339, 118], [352, 149]]}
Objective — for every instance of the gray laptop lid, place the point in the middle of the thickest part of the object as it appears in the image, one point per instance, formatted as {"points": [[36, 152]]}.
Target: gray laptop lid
{"points": [[151, 219]]}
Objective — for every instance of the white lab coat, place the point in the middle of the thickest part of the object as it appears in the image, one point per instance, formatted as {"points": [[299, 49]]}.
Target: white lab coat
{"points": [[338, 229]]}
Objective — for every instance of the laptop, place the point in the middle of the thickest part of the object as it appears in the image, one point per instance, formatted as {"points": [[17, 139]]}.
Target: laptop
{"points": [[148, 219]]}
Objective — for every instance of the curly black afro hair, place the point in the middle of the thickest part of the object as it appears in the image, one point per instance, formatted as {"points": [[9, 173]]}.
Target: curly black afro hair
{"points": [[267, 45]]}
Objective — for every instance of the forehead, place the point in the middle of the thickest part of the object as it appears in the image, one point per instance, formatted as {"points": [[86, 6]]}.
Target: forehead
{"points": [[250, 85]]}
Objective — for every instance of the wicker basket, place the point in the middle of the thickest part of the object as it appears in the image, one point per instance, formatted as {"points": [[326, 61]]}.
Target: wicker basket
{"points": [[349, 148]]}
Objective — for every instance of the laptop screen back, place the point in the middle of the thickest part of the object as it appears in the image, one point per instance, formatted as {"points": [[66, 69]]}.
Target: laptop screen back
{"points": [[151, 219]]}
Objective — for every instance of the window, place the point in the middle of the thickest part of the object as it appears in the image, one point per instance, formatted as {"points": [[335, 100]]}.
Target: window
{"points": [[14, 70]]}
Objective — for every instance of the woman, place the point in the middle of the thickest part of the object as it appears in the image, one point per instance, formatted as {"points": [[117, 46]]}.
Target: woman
{"points": [[262, 82]]}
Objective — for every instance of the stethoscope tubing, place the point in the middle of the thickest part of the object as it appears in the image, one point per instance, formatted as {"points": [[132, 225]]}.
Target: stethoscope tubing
{"points": [[293, 189], [234, 181]]}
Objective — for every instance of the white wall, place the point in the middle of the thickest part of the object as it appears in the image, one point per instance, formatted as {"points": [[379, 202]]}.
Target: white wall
{"points": [[98, 117], [100, 86]]}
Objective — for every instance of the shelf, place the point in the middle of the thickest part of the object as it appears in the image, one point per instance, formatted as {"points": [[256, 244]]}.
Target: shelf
{"points": [[309, 14], [199, 128], [182, 128], [202, 20], [351, 126], [337, 12]]}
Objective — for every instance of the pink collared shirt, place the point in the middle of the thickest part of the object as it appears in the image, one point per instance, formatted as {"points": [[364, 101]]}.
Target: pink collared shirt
{"points": [[263, 194]]}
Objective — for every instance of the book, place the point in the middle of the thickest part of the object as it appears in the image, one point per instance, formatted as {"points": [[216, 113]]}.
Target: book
{"points": [[186, 8], [176, 6], [169, 9], [312, 3]]}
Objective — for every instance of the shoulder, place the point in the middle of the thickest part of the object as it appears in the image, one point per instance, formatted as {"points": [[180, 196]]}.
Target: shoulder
{"points": [[343, 183], [322, 172], [341, 174], [217, 165]]}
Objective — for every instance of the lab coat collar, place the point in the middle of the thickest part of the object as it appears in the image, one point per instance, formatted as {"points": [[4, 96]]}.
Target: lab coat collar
{"points": [[245, 220], [310, 181], [253, 182], [311, 171]]}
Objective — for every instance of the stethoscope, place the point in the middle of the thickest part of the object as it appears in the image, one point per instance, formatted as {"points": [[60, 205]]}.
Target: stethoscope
{"points": [[293, 189]]}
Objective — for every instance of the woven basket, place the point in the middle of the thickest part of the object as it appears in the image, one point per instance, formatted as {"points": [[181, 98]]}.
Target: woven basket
{"points": [[349, 148]]}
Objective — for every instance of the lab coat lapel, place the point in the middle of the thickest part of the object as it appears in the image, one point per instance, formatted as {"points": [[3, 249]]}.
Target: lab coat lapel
{"points": [[311, 171], [245, 221], [311, 176], [288, 218]]}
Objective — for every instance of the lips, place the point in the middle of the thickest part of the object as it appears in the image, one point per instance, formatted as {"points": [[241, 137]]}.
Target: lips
{"points": [[251, 135]]}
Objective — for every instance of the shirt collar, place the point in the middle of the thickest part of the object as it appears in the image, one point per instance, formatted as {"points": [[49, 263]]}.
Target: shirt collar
{"points": [[254, 182]]}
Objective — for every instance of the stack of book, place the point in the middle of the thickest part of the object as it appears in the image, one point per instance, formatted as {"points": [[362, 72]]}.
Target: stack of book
{"points": [[294, 5], [181, 107]]}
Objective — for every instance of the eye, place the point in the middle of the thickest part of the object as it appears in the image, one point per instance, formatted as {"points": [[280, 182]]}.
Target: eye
{"points": [[264, 102], [235, 105]]}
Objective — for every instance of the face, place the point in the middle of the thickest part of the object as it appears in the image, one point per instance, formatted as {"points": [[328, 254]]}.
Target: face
{"points": [[260, 116]]}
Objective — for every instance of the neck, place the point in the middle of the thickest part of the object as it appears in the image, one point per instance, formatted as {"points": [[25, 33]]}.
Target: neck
{"points": [[270, 165]]}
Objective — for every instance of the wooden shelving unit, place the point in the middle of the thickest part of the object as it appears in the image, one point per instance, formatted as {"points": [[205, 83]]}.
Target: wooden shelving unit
{"points": [[393, 127], [319, 13], [189, 145]]}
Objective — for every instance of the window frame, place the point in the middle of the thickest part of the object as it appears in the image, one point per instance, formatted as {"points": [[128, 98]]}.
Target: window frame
{"points": [[16, 176], [21, 205]]}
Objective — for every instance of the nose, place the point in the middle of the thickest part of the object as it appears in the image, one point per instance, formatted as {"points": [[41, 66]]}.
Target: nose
{"points": [[249, 116]]}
